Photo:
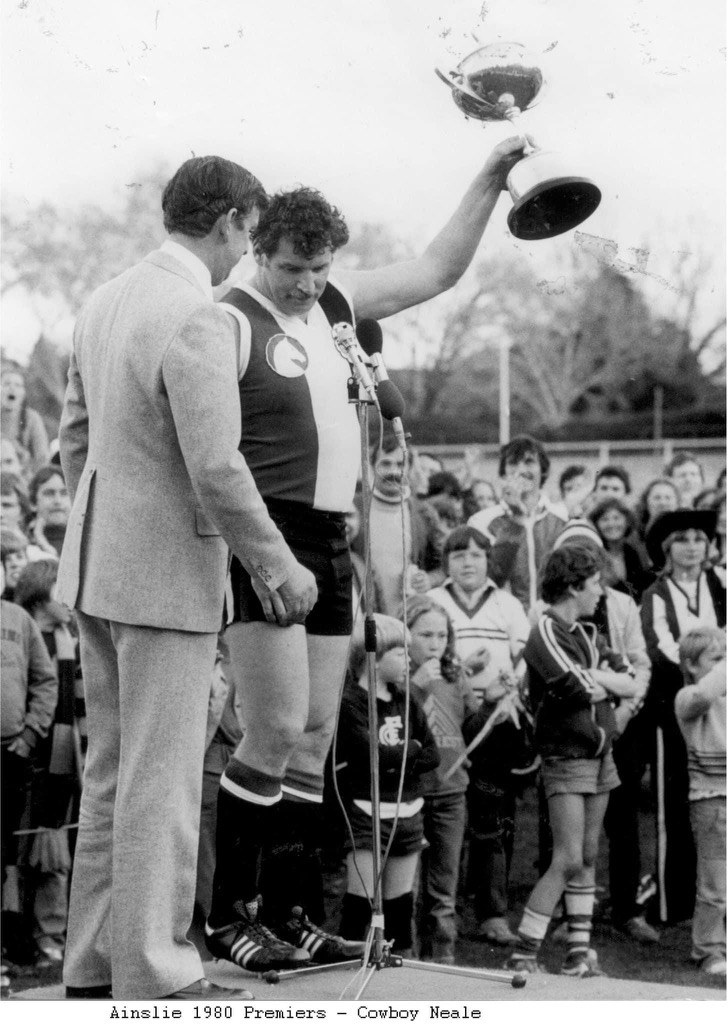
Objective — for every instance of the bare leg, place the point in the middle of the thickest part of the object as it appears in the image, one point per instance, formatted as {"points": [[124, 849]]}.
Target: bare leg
{"points": [[270, 665], [567, 815]]}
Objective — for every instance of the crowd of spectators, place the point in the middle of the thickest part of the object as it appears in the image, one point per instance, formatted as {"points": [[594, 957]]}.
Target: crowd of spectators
{"points": [[457, 564]]}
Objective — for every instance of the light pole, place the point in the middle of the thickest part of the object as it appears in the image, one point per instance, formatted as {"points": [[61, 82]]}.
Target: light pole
{"points": [[504, 390]]}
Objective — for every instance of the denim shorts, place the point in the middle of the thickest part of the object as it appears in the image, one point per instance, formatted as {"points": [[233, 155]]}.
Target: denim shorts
{"points": [[318, 541], [582, 775]]}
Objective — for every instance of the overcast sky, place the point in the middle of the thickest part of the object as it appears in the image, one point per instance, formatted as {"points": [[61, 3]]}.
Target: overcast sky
{"points": [[342, 95]]}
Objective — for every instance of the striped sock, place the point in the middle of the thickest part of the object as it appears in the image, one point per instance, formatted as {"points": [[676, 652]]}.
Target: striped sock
{"points": [[579, 901], [531, 933]]}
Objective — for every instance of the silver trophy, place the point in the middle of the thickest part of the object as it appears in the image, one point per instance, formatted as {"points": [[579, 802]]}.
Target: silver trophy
{"points": [[495, 83]]}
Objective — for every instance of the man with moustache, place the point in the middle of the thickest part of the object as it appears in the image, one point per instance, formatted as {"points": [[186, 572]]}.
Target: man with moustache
{"points": [[149, 441], [301, 440], [523, 527]]}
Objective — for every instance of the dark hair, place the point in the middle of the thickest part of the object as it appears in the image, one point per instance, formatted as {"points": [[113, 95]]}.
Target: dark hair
{"points": [[706, 498], [569, 566], [470, 504], [619, 471], [35, 583], [459, 540], [304, 216], [642, 512], [522, 445], [422, 604], [203, 189], [570, 473], [608, 505], [679, 460], [443, 482], [40, 477]]}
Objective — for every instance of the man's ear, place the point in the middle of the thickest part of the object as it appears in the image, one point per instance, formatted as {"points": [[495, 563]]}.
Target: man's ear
{"points": [[223, 222]]}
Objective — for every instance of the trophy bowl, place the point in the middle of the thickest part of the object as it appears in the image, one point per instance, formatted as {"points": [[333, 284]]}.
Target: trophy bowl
{"points": [[496, 83], [498, 77]]}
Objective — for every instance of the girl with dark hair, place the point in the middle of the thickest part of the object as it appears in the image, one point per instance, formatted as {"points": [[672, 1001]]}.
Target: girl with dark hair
{"points": [[688, 593]]}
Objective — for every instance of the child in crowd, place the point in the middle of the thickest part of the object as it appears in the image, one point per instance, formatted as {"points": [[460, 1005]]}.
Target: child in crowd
{"points": [[29, 694], [55, 787], [700, 709], [448, 700], [406, 747], [572, 678], [491, 630]]}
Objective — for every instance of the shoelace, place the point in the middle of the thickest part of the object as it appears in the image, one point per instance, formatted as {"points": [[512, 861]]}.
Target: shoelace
{"points": [[269, 938]]}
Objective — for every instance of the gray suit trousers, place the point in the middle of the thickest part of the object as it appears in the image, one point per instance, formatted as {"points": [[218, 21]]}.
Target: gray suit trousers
{"points": [[133, 885]]}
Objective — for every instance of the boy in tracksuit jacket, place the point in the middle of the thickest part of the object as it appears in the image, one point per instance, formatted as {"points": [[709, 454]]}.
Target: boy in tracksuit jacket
{"points": [[700, 710], [573, 678]]}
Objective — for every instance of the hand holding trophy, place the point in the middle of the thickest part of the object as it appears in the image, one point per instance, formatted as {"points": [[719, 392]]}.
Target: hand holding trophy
{"points": [[495, 83]]}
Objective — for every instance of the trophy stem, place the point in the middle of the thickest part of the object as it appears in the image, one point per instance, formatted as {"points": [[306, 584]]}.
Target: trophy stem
{"points": [[513, 114]]}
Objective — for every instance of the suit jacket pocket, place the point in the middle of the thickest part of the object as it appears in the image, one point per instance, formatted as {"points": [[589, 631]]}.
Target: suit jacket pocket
{"points": [[203, 523]]}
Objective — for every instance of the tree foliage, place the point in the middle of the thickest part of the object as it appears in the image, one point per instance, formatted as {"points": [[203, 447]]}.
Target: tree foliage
{"points": [[588, 343]]}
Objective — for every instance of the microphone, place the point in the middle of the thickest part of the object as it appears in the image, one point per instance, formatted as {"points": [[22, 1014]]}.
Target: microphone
{"points": [[391, 401], [347, 346]]}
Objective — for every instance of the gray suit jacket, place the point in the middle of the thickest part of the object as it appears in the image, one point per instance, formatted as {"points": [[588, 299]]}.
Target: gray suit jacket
{"points": [[149, 441]]}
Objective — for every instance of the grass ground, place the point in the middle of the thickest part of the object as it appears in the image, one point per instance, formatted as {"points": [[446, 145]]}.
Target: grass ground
{"points": [[667, 962]]}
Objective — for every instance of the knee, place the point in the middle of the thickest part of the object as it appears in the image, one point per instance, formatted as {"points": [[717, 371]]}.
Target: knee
{"points": [[280, 734], [568, 863]]}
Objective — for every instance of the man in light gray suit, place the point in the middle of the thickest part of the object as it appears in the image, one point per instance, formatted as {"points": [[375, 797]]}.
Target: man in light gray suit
{"points": [[149, 445]]}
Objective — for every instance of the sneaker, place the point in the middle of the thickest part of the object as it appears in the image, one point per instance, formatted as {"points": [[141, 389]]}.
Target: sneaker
{"points": [[639, 930], [713, 965], [496, 930], [249, 944], [323, 948], [51, 949], [443, 951], [582, 964], [521, 964]]}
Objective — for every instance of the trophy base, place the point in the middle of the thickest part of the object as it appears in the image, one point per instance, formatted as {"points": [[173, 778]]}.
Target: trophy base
{"points": [[552, 207]]}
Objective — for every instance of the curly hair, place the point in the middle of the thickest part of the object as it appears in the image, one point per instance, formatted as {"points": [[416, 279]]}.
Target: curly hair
{"points": [[304, 216], [421, 605], [613, 505]]}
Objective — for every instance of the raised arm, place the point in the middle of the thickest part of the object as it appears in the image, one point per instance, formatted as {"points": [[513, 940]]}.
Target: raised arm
{"points": [[388, 290]]}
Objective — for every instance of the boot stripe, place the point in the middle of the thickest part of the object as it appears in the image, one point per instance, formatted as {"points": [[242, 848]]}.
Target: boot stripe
{"points": [[242, 949], [311, 942]]}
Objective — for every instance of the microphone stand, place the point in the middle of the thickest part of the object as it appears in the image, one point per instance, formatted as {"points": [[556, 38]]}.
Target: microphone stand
{"points": [[379, 950]]}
